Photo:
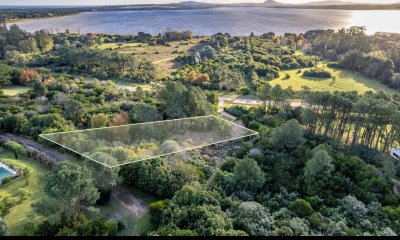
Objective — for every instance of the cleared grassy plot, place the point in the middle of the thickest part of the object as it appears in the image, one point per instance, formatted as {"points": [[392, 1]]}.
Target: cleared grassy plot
{"points": [[22, 192], [123, 83], [342, 80], [113, 46], [162, 55], [14, 90]]}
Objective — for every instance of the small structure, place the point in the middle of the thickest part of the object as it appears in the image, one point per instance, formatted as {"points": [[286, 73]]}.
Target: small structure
{"points": [[395, 153]]}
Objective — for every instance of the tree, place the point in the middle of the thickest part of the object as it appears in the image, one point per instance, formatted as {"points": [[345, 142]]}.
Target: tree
{"points": [[15, 34], [72, 185], [105, 177], [16, 123], [179, 101], [99, 120], [301, 208], [288, 136], [354, 210], [153, 175], [28, 45], [253, 218], [143, 112], [74, 110], [197, 209], [2, 227], [28, 75], [156, 210], [263, 93], [15, 147], [197, 103], [5, 75], [248, 176], [173, 97], [317, 169], [44, 41], [39, 89], [389, 168]]}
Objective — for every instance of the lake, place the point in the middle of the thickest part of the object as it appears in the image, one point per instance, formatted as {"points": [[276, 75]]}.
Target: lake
{"points": [[236, 21]]}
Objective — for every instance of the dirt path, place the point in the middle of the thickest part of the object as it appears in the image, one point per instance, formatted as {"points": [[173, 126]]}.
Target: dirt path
{"points": [[396, 185], [248, 101], [129, 202], [30, 143], [164, 60]]}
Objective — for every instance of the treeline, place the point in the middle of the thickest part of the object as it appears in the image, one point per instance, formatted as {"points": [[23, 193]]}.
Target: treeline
{"points": [[14, 40], [371, 120], [16, 14], [375, 56]]}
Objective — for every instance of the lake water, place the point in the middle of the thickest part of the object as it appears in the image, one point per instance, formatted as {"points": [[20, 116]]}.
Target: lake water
{"points": [[236, 21]]}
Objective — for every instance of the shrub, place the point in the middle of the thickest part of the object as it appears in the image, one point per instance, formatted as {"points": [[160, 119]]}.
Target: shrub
{"points": [[236, 111], [317, 73], [245, 91], [301, 208], [169, 146]]}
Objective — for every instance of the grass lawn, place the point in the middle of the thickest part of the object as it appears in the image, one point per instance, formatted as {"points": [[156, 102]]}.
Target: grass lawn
{"points": [[14, 90], [345, 81], [22, 192]]}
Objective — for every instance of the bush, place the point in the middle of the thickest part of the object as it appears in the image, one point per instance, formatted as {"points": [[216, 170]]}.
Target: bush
{"points": [[169, 146], [317, 73], [301, 208], [254, 125], [156, 210], [245, 91], [236, 111]]}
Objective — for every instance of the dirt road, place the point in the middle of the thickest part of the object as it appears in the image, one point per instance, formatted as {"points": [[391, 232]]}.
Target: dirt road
{"points": [[30, 143]]}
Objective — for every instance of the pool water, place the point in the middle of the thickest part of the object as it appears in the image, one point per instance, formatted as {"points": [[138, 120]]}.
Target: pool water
{"points": [[5, 173]]}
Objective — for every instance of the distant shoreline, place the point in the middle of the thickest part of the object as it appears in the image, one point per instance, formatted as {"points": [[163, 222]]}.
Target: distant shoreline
{"points": [[175, 7], [30, 19]]}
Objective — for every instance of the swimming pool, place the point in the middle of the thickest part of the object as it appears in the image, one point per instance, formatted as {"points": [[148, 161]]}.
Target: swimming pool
{"points": [[6, 172]]}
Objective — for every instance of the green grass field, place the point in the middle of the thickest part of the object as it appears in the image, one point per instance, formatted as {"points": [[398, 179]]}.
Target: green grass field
{"points": [[345, 81], [14, 90], [22, 192]]}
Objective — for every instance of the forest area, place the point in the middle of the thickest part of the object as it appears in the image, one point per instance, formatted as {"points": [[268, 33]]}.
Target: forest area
{"points": [[321, 168]]}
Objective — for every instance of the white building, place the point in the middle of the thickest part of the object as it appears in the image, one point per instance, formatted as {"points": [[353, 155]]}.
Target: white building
{"points": [[395, 153]]}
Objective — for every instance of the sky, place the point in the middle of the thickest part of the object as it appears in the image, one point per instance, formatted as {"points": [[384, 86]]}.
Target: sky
{"points": [[121, 2]]}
